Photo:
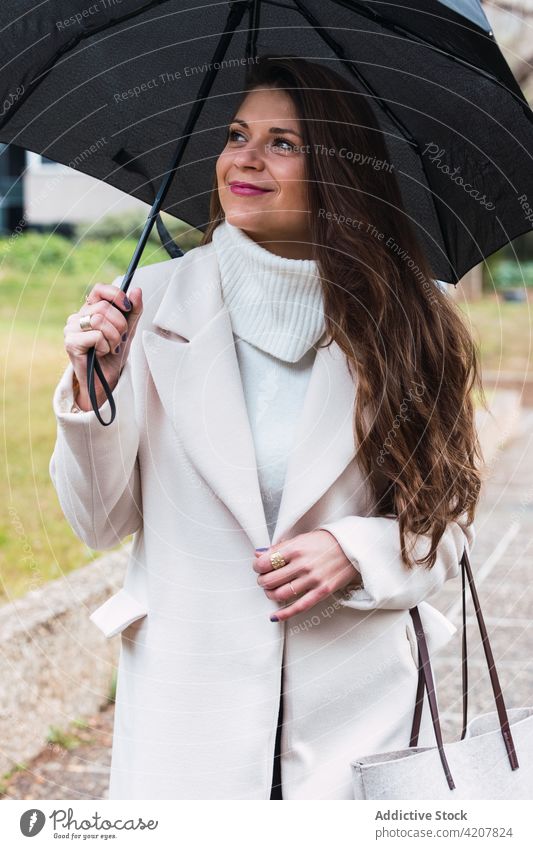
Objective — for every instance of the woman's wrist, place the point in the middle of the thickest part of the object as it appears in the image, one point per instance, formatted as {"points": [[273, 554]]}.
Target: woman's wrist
{"points": [[82, 402]]}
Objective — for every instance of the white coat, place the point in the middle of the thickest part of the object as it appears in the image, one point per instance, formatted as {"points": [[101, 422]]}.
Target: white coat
{"points": [[201, 663]]}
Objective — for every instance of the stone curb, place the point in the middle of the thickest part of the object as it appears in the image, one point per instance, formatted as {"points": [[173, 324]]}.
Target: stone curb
{"points": [[55, 664]]}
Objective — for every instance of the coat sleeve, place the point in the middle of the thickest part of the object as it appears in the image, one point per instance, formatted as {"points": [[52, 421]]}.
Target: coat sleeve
{"points": [[95, 469], [373, 545]]}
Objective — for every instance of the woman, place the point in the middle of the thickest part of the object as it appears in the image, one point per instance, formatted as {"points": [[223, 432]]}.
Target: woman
{"points": [[265, 541]]}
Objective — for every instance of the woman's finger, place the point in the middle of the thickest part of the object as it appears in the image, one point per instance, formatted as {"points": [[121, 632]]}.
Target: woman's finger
{"points": [[262, 562], [110, 293], [102, 313], [79, 339], [290, 590], [277, 577], [77, 344], [300, 605]]}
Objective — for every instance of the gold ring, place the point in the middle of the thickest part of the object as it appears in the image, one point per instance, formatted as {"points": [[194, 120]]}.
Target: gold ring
{"points": [[277, 560], [292, 588], [85, 322]]}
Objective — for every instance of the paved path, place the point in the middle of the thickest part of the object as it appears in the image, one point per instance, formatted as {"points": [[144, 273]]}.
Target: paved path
{"points": [[77, 773], [502, 564]]}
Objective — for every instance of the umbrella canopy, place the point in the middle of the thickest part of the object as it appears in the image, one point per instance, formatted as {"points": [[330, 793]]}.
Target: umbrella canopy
{"points": [[108, 89], [139, 94]]}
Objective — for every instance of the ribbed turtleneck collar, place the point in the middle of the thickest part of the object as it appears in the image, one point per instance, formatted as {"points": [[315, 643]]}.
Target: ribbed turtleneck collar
{"points": [[275, 303]]}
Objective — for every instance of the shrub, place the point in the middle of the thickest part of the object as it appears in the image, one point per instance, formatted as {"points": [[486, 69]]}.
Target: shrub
{"points": [[129, 225], [508, 273]]}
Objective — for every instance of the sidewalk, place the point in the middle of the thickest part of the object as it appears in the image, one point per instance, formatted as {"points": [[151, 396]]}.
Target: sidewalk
{"points": [[502, 566], [501, 562]]}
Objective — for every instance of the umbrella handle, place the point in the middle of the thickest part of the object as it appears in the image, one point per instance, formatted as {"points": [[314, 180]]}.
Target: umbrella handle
{"points": [[92, 366]]}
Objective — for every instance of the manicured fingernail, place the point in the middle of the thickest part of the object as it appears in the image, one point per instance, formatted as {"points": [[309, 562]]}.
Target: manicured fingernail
{"points": [[274, 618], [127, 303], [117, 349], [124, 337], [261, 549]]}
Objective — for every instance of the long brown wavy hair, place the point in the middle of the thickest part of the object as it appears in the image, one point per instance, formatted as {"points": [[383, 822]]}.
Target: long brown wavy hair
{"points": [[404, 339]]}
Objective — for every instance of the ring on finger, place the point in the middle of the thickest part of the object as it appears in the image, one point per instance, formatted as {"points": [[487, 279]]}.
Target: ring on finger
{"points": [[277, 560], [292, 588], [85, 322]]}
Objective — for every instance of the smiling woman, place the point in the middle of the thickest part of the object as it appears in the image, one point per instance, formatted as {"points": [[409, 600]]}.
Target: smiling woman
{"points": [[262, 163], [264, 620]]}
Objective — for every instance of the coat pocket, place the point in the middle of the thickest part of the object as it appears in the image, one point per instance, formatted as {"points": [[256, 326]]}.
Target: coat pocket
{"points": [[119, 611]]}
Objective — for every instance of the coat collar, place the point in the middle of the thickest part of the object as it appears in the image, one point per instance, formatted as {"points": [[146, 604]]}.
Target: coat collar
{"points": [[193, 362]]}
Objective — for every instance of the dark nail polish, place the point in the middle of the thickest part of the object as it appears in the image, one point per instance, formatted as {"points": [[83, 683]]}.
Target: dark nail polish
{"points": [[124, 337], [127, 303], [261, 549], [117, 349], [274, 618]]}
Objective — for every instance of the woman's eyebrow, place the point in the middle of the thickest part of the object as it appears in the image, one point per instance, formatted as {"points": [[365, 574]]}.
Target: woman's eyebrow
{"points": [[272, 129]]}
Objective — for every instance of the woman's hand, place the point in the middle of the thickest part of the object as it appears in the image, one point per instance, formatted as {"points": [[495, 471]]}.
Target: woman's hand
{"points": [[315, 565], [111, 330]]}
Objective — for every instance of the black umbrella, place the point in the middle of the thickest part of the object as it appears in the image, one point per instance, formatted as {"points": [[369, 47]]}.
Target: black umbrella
{"points": [[116, 89]]}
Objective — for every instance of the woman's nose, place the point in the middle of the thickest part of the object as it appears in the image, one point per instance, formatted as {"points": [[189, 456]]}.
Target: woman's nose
{"points": [[248, 155]]}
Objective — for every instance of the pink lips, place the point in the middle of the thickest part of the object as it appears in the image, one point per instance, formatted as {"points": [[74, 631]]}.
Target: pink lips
{"points": [[247, 189]]}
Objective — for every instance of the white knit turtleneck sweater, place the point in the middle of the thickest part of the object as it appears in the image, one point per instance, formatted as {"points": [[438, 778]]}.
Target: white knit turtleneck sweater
{"points": [[277, 316]]}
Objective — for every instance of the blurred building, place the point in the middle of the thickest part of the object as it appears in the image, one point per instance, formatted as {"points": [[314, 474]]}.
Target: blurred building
{"points": [[38, 192], [12, 164]]}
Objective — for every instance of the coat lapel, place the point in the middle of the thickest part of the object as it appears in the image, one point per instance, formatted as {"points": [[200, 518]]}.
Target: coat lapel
{"points": [[193, 362]]}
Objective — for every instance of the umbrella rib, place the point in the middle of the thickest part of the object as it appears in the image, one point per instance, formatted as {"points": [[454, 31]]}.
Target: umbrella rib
{"points": [[43, 74], [337, 48], [281, 5], [253, 30], [232, 22], [400, 29], [354, 70]]}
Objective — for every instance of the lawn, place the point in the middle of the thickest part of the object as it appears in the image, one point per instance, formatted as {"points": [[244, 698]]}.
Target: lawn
{"points": [[503, 330], [45, 278], [42, 280]]}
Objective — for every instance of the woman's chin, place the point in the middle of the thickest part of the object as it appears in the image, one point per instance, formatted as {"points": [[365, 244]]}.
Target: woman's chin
{"points": [[245, 220]]}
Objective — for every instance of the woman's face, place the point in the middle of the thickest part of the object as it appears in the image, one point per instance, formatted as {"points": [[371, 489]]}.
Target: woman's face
{"points": [[264, 149]]}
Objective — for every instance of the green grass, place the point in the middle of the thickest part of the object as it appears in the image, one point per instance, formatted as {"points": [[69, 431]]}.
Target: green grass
{"points": [[503, 330], [61, 738], [42, 280]]}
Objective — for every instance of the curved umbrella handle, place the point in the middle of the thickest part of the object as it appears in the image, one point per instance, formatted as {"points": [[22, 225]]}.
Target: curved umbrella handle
{"points": [[92, 366]]}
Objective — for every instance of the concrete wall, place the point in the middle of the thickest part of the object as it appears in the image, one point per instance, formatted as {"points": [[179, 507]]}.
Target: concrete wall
{"points": [[55, 664], [53, 193]]}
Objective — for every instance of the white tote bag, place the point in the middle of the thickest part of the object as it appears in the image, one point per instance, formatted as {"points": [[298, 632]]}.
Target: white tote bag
{"points": [[492, 760]]}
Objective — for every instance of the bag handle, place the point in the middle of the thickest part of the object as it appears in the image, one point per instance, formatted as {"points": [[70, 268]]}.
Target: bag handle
{"points": [[425, 678]]}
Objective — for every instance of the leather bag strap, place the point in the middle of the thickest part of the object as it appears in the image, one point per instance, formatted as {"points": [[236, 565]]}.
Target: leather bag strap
{"points": [[494, 679], [425, 677], [424, 666], [418, 704], [464, 655]]}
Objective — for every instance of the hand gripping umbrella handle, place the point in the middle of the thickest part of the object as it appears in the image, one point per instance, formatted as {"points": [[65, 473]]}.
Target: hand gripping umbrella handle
{"points": [[94, 366]]}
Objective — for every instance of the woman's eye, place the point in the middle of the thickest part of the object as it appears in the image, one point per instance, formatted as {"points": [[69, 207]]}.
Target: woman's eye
{"points": [[285, 141], [233, 133]]}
